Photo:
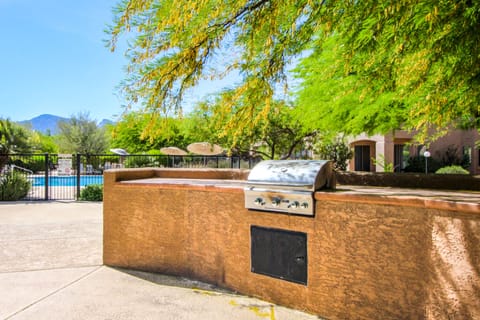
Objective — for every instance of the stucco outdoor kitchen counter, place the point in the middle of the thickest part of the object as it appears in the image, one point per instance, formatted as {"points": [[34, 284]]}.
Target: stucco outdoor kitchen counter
{"points": [[372, 253]]}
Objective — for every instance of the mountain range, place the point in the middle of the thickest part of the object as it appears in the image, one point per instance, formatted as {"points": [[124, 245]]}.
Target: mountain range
{"points": [[48, 123]]}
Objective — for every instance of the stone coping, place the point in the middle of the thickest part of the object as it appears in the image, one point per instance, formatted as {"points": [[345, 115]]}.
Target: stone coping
{"points": [[464, 201], [468, 202], [228, 180]]}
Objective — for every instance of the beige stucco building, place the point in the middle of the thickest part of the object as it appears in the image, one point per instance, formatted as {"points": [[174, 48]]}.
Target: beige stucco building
{"points": [[370, 153]]}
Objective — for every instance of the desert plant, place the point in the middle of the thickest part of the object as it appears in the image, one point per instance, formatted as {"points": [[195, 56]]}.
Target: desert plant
{"points": [[92, 192], [452, 170], [140, 161], [13, 187], [336, 150], [381, 162]]}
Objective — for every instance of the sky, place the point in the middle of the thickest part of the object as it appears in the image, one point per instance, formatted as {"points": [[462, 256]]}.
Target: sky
{"points": [[53, 59]]}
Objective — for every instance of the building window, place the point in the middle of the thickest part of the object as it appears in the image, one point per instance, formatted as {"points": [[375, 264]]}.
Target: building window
{"points": [[400, 157], [362, 158]]}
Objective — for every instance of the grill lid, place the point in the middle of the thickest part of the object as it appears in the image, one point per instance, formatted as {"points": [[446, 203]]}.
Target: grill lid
{"points": [[287, 186], [308, 175]]}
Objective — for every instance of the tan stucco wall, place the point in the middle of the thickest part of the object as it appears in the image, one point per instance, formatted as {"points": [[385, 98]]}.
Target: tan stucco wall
{"points": [[384, 144], [459, 139], [369, 257]]}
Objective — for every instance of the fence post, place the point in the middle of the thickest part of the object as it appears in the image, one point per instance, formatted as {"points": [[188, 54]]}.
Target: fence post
{"points": [[78, 156], [47, 167]]}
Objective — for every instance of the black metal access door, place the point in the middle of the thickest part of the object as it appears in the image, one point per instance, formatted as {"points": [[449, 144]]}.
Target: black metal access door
{"points": [[279, 253]]}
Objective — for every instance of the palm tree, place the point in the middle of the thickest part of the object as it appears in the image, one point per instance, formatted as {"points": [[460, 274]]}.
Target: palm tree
{"points": [[13, 138]]}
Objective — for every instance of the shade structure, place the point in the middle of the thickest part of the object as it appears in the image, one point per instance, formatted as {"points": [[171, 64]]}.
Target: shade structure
{"points": [[173, 151], [205, 148], [119, 151]]}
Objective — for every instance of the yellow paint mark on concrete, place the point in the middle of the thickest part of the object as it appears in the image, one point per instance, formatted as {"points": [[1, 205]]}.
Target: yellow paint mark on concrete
{"points": [[206, 292], [258, 310]]}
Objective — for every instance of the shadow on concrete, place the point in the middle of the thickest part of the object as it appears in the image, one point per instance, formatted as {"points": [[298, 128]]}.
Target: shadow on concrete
{"points": [[174, 281]]}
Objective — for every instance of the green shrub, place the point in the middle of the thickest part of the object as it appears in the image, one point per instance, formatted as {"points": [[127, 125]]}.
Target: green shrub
{"points": [[452, 170], [92, 192], [417, 164], [13, 187], [146, 160], [34, 164], [336, 150]]}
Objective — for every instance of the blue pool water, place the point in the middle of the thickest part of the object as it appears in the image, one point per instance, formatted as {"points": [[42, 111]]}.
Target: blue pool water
{"points": [[67, 181]]}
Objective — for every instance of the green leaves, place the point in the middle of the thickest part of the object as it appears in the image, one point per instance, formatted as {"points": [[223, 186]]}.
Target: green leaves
{"points": [[406, 64]]}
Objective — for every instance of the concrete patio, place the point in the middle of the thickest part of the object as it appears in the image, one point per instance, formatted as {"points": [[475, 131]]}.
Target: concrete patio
{"points": [[51, 268]]}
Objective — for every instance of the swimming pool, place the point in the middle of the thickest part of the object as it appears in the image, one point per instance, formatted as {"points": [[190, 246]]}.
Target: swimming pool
{"points": [[66, 181]]}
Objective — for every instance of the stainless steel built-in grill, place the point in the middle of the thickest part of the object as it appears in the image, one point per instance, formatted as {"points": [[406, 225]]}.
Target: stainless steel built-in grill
{"points": [[287, 186]]}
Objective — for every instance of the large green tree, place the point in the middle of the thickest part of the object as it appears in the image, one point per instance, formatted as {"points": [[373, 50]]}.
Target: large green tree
{"points": [[178, 43], [80, 134], [424, 53], [412, 65], [338, 100]]}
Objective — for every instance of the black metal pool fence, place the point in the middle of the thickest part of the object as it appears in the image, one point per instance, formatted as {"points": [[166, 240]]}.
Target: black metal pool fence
{"points": [[63, 176]]}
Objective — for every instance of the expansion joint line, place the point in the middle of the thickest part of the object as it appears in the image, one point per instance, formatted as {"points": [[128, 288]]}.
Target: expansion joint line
{"points": [[54, 292]]}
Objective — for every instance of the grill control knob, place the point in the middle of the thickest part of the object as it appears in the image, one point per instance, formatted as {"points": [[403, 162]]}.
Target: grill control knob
{"points": [[259, 202], [276, 201], [294, 205], [304, 205]]}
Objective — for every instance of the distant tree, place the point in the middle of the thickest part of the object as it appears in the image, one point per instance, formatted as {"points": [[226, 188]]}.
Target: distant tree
{"points": [[335, 149], [80, 134], [44, 143], [277, 135], [282, 135], [142, 132], [48, 144], [197, 124]]}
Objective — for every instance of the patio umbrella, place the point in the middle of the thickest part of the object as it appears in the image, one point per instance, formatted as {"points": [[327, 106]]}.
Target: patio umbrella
{"points": [[173, 151], [119, 151], [205, 148], [122, 153]]}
